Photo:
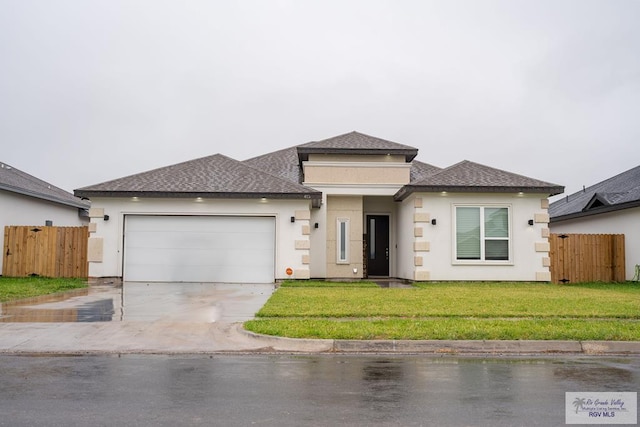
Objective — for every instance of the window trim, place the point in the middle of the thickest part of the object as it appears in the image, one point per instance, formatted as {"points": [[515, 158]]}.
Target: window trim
{"points": [[340, 238], [483, 238]]}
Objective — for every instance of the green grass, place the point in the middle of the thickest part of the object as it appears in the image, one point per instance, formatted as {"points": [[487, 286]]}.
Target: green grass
{"points": [[12, 288], [593, 311]]}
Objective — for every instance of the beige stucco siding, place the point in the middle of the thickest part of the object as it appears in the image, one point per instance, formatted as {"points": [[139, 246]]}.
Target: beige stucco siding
{"points": [[344, 207], [357, 173]]}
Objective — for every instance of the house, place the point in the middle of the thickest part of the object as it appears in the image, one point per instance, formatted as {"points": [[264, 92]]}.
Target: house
{"points": [[27, 200], [608, 207], [347, 207]]}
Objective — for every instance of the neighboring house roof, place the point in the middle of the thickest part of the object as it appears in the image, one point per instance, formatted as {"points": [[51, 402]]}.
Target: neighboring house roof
{"points": [[355, 143], [212, 176], [468, 177], [19, 182], [619, 192]]}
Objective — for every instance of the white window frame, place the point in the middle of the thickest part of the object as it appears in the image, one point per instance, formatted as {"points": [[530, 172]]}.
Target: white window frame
{"points": [[340, 238], [483, 238]]}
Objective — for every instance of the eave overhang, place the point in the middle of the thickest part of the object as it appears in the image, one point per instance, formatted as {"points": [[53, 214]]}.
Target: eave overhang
{"points": [[314, 197], [409, 189], [304, 152]]}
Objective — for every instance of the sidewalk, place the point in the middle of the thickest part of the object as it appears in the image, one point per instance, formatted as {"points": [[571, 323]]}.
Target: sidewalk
{"points": [[223, 338]]}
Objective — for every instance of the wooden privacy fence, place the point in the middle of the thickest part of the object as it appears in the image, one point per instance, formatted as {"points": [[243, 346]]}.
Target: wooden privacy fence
{"points": [[587, 258], [45, 251]]}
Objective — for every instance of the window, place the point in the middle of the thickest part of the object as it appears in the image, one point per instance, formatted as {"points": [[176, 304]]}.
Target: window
{"points": [[482, 233], [343, 241]]}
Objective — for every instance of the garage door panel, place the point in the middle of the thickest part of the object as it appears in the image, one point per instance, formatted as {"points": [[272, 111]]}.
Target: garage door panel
{"points": [[200, 249]]}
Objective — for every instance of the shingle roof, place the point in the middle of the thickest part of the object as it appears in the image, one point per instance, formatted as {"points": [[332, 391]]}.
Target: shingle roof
{"points": [[282, 163], [17, 181], [212, 176], [619, 192], [355, 143], [468, 176], [420, 170]]}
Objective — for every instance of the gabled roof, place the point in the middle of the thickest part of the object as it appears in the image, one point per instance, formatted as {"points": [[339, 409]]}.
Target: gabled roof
{"points": [[16, 181], [469, 177], [212, 176], [355, 143], [619, 192]]}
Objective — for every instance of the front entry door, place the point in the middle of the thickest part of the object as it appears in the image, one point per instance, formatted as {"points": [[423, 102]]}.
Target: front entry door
{"points": [[377, 245]]}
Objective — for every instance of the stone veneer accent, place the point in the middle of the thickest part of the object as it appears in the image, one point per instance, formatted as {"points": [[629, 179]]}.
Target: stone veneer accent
{"points": [[543, 276], [543, 247], [421, 246], [302, 274], [541, 218], [96, 212], [422, 275], [300, 215], [303, 244], [95, 249]]}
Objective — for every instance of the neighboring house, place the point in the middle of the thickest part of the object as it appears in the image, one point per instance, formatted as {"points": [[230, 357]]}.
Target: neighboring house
{"points": [[609, 207], [347, 207], [27, 200]]}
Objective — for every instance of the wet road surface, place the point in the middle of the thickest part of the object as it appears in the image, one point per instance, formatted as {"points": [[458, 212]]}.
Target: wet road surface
{"points": [[145, 390]]}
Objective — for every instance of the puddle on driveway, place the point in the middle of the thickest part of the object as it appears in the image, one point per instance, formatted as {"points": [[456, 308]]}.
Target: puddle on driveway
{"points": [[145, 302]]}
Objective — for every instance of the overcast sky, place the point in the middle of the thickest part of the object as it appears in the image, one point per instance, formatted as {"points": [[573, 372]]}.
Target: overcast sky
{"points": [[96, 90]]}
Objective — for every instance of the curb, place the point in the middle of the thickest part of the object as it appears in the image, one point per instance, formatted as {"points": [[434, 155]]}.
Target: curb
{"points": [[445, 347]]}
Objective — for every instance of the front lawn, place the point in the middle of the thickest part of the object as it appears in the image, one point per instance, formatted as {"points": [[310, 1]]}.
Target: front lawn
{"points": [[12, 288], [533, 311]]}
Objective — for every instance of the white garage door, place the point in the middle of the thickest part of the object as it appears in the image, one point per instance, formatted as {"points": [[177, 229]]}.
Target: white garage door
{"points": [[199, 249]]}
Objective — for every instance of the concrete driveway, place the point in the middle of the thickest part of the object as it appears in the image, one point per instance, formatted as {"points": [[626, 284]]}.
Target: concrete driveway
{"points": [[136, 317]]}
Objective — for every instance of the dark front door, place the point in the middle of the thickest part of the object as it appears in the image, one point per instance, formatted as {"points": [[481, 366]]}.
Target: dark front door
{"points": [[377, 245]]}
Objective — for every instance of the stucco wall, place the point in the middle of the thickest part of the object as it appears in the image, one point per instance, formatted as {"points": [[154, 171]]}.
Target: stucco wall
{"points": [[625, 222], [431, 255], [356, 173], [292, 239], [17, 209], [344, 207]]}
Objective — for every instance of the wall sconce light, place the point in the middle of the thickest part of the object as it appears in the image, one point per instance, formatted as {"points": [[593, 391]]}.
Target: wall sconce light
{"points": [[293, 219], [48, 223], [106, 217], [530, 222], [433, 221], [315, 225]]}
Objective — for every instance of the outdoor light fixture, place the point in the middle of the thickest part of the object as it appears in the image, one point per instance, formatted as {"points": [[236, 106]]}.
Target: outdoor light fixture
{"points": [[106, 217], [433, 221], [315, 225], [293, 219], [530, 222]]}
